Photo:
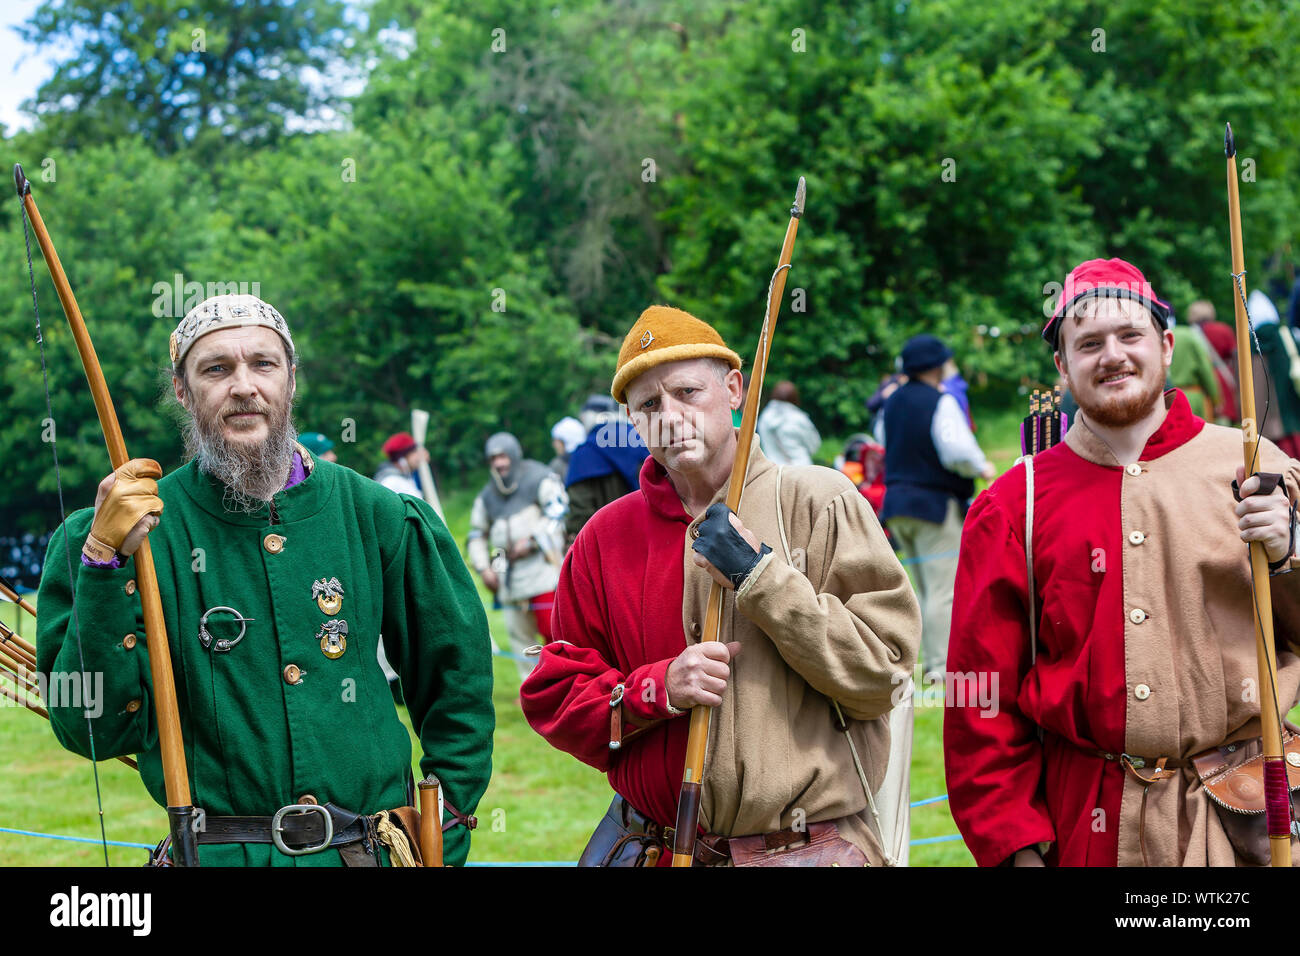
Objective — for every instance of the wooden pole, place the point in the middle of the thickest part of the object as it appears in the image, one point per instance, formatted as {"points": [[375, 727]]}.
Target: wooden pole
{"points": [[175, 777], [688, 804], [1279, 830], [430, 821], [420, 431]]}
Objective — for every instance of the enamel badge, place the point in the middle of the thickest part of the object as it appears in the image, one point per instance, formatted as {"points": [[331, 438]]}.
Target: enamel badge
{"points": [[328, 595], [333, 637]]}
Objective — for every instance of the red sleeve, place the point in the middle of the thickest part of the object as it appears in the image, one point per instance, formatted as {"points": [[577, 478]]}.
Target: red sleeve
{"points": [[992, 755], [566, 697]]}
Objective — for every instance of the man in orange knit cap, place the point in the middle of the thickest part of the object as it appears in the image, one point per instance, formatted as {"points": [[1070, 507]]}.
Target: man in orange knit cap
{"points": [[818, 621]]}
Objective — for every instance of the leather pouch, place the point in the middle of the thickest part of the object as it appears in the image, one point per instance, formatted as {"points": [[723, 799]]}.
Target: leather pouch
{"points": [[408, 821], [824, 847], [621, 840], [1234, 781]]}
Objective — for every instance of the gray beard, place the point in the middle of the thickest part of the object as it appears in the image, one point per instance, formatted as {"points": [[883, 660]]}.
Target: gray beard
{"points": [[250, 476]]}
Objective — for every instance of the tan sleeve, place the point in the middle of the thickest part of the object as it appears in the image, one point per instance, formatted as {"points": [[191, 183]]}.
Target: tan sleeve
{"points": [[850, 626]]}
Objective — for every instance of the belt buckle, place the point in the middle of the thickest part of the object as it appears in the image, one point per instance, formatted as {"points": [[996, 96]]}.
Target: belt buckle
{"points": [[278, 840]]}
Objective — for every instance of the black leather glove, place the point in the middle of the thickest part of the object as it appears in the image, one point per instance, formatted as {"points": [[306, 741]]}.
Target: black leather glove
{"points": [[723, 547]]}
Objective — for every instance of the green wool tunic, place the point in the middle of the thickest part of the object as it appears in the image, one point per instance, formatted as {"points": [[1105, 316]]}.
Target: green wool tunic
{"points": [[253, 741]]}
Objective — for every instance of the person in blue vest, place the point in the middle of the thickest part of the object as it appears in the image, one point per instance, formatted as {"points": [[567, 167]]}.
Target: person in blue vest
{"points": [[605, 467], [931, 463]]}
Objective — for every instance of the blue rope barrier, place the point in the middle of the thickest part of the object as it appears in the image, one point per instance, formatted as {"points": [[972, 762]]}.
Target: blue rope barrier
{"points": [[928, 800], [485, 863], [939, 839], [73, 839], [497, 652], [929, 557], [527, 863]]}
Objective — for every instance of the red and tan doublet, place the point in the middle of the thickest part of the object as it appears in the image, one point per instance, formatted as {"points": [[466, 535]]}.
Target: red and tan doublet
{"points": [[1146, 646], [839, 621]]}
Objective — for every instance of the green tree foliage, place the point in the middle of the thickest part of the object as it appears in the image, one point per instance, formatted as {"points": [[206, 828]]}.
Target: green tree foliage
{"points": [[960, 158], [177, 72], [514, 183], [122, 220]]}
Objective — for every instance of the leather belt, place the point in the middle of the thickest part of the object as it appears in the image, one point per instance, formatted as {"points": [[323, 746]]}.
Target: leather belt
{"points": [[1138, 763], [296, 830], [710, 848]]}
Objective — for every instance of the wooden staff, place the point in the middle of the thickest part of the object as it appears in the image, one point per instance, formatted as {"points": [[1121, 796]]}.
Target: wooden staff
{"points": [[430, 821], [1277, 796], [688, 804], [13, 596], [420, 431], [180, 810]]}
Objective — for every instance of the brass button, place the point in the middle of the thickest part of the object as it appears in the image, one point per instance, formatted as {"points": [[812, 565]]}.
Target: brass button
{"points": [[1137, 615], [292, 674], [132, 706], [1137, 537], [309, 799], [129, 641], [129, 587], [1141, 691], [1134, 469], [273, 543]]}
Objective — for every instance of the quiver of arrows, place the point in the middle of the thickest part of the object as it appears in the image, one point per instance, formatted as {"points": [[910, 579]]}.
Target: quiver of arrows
{"points": [[1045, 424]]}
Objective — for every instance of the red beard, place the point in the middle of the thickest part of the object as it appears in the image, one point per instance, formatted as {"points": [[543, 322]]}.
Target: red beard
{"points": [[1122, 411]]}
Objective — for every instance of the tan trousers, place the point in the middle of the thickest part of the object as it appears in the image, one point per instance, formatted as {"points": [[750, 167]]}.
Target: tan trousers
{"points": [[936, 547]]}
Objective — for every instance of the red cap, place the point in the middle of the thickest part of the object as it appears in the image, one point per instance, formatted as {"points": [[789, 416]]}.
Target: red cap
{"points": [[398, 445], [1112, 278]]}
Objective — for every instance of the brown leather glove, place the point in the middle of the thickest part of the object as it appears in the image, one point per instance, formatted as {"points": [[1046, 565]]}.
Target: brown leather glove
{"points": [[132, 495]]}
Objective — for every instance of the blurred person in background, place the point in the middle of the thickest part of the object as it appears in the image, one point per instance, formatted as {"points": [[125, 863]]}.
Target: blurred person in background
{"points": [[516, 542], [931, 463], [566, 435], [787, 434]]}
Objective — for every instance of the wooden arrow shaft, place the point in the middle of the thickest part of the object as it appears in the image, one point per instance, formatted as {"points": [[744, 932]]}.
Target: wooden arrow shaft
{"points": [[13, 596]]}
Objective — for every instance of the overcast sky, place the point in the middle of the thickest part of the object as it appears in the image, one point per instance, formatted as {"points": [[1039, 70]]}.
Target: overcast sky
{"points": [[22, 68]]}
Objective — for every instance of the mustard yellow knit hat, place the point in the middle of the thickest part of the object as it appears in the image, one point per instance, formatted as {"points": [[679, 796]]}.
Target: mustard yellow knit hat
{"points": [[664, 334]]}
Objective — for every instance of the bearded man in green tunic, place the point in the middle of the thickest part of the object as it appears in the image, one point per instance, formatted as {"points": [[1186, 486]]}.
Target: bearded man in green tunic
{"points": [[280, 573]]}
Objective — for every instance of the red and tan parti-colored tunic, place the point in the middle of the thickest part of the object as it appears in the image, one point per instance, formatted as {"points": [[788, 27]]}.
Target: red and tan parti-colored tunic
{"points": [[1146, 647]]}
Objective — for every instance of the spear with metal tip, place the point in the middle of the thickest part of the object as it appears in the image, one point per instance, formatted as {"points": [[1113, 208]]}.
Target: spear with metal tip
{"points": [[688, 805]]}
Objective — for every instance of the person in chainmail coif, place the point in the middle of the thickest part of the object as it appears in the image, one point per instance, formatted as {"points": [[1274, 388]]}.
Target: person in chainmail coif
{"points": [[516, 541]]}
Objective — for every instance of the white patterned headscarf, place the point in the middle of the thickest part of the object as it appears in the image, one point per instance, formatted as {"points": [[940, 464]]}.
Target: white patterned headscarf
{"points": [[227, 312]]}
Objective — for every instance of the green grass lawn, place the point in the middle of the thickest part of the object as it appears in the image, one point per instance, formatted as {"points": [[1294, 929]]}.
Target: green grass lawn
{"points": [[540, 805]]}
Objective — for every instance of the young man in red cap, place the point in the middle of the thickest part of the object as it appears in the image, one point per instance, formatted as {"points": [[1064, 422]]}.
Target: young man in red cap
{"points": [[816, 609], [404, 458], [1145, 650]]}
